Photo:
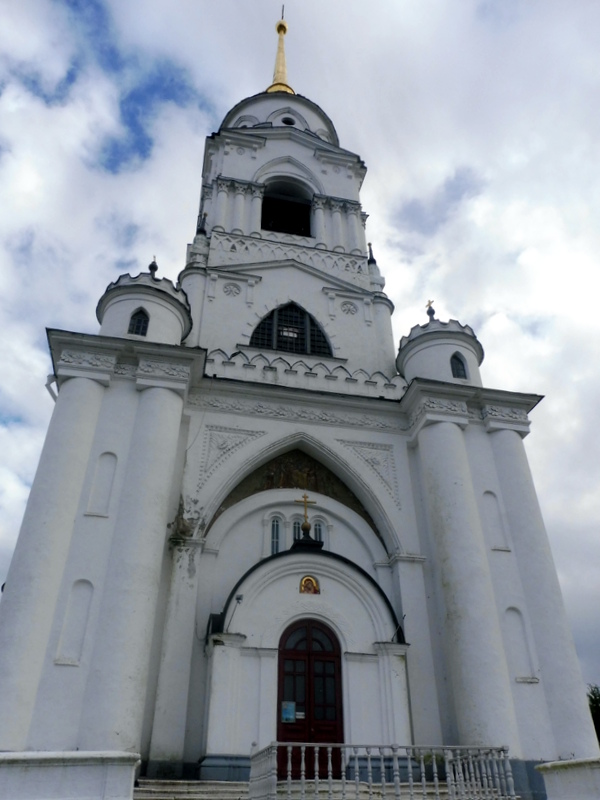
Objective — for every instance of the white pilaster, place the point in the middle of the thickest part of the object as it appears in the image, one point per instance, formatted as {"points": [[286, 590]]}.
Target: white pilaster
{"points": [[561, 674], [477, 665], [36, 570], [116, 689], [170, 714]]}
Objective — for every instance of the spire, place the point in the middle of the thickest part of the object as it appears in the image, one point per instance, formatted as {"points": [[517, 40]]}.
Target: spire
{"points": [[280, 73]]}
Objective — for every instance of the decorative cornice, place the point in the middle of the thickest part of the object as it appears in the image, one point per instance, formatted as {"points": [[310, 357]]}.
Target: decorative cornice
{"points": [[427, 401]]}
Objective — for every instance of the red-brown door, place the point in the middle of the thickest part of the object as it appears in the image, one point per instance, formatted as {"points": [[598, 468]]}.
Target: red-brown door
{"points": [[309, 703]]}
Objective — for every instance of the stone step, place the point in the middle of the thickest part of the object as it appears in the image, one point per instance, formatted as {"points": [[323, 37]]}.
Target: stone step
{"points": [[148, 789], [232, 790]]}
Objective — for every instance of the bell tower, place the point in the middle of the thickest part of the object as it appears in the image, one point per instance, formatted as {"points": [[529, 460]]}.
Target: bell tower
{"points": [[281, 223]]}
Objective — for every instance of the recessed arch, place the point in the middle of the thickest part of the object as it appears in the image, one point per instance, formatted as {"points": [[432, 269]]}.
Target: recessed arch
{"points": [[335, 460], [288, 168], [277, 117]]}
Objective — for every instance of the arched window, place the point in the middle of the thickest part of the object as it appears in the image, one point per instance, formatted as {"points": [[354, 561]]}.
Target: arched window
{"points": [[286, 208], [297, 528], [318, 531], [291, 329], [138, 324], [275, 535], [458, 366]]}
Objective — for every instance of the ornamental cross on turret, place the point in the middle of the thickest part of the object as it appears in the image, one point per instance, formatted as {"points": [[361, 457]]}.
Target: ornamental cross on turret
{"points": [[306, 502]]}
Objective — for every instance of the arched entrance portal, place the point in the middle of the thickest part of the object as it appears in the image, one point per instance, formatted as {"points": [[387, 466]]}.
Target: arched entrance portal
{"points": [[309, 704]]}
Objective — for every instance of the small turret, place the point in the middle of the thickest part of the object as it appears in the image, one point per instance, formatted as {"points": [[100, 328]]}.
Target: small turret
{"points": [[441, 351], [145, 306]]}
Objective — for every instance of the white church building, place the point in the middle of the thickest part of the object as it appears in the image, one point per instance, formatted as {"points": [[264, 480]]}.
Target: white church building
{"points": [[257, 519]]}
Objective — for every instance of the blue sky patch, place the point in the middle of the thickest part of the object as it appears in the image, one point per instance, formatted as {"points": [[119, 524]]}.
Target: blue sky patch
{"points": [[165, 83], [94, 21], [427, 216], [34, 82]]}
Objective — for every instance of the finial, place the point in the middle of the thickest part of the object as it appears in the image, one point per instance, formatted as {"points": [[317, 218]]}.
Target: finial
{"points": [[153, 267], [430, 311], [280, 83], [371, 256]]}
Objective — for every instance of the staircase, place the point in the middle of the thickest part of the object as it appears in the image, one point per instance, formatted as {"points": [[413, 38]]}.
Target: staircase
{"points": [[192, 790], [231, 790]]}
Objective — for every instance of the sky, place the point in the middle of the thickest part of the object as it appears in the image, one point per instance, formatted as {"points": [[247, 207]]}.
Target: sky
{"points": [[478, 121]]}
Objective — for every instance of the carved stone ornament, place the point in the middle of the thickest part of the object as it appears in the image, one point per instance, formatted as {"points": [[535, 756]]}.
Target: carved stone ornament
{"points": [[349, 308], [456, 408], [505, 413], [231, 289], [128, 370], [76, 358], [219, 444], [261, 409], [380, 458], [163, 369]]}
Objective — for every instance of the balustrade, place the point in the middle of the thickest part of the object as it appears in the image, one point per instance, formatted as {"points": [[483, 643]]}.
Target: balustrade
{"points": [[309, 771]]}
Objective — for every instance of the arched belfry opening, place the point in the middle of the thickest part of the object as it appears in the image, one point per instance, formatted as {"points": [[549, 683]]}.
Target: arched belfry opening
{"points": [[286, 208]]}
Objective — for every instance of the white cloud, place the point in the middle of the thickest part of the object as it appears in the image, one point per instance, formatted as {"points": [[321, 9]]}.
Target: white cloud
{"points": [[503, 91]]}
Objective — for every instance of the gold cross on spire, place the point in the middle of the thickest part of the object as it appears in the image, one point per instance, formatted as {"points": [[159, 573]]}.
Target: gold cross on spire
{"points": [[306, 502], [429, 304]]}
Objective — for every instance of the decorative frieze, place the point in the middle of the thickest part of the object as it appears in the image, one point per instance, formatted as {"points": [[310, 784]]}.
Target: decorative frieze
{"points": [[440, 408], [259, 408], [163, 369], [78, 358], [228, 249]]}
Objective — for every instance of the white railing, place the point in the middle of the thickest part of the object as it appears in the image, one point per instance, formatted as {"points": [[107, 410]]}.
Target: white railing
{"points": [[305, 771]]}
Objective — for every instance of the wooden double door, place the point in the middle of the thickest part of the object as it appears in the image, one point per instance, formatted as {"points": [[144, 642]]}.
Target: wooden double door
{"points": [[309, 694]]}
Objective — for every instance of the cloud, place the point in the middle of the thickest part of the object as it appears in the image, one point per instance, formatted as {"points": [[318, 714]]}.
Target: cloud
{"points": [[477, 121]]}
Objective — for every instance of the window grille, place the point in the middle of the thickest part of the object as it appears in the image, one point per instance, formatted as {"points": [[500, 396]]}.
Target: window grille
{"points": [[458, 367], [138, 324], [291, 329]]}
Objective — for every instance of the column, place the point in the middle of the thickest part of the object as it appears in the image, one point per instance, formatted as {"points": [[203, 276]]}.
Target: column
{"points": [[115, 693], [36, 571], [561, 674], [221, 204], [338, 236], [475, 653], [256, 193], [356, 241], [319, 222], [170, 713], [239, 206]]}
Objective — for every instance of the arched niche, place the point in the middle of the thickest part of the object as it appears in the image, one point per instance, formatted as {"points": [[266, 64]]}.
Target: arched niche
{"points": [[385, 524], [295, 469]]}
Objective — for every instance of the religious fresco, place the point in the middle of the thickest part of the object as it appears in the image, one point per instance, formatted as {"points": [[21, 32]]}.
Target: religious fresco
{"points": [[295, 470]]}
